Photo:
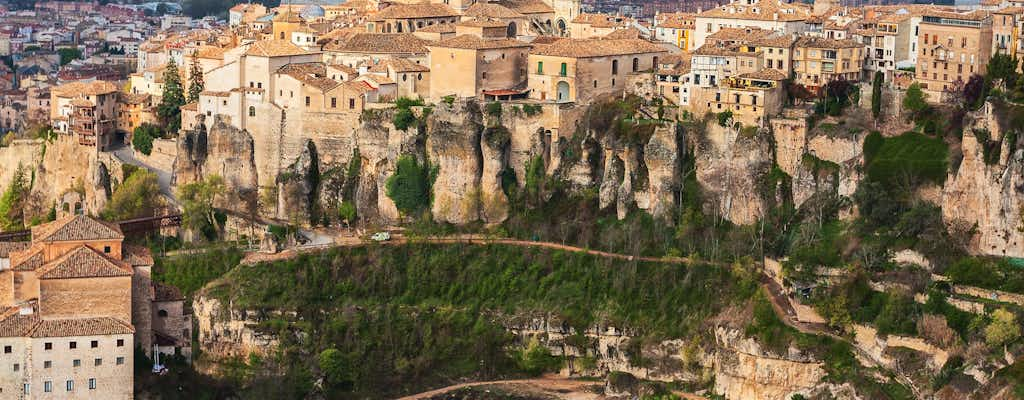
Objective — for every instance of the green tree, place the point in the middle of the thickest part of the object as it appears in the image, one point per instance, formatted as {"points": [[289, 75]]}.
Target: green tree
{"points": [[137, 196], [1002, 67], [1003, 328], [69, 54], [198, 205], [347, 212], [196, 83], [409, 187], [915, 99], [335, 367], [142, 138], [876, 94], [12, 203], [173, 98], [536, 359]]}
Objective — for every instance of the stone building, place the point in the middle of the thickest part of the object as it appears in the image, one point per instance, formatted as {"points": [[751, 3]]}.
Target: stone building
{"points": [[818, 61], [751, 97], [774, 15], [675, 28], [953, 46], [400, 18], [86, 110], [577, 70], [477, 66], [76, 301]]}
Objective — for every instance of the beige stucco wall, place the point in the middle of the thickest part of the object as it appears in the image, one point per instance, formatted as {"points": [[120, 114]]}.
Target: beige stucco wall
{"points": [[113, 381]]}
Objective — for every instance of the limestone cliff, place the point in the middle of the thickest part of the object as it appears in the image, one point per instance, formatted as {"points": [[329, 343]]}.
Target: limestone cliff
{"points": [[224, 151], [730, 166], [989, 195], [454, 147]]}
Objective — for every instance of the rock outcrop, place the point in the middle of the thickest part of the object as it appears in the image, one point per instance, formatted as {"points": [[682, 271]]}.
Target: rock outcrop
{"points": [[988, 196], [730, 168], [453, 146], [223, 151]]}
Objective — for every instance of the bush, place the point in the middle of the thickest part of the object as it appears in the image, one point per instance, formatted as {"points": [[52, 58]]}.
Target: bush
{"points": [[536, 359], [876, 94], [724, 117], [347, 211], [987, 273], [138, 196], [532, 109], [410, 186], [494, 109], [1003, 329], [915, 99], [142, 138], [403, 119]]}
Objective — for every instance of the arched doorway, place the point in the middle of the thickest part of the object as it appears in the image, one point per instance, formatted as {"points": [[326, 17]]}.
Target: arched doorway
{"points": [[561, 27], [511, 30], [563, 92]]}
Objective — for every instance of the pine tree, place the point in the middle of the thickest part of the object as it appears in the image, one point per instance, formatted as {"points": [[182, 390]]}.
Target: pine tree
{"points": [[196, 83], [169, 109]]}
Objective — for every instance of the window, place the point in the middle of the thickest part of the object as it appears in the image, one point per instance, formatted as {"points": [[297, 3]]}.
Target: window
{"points": [[94, 344], [47, 364], [119, 361], [564, 70], [595, 83], [282, 35], [615, 67], [483, 75], [76, 363], [7, 350], [307, 101], [540, 67], [405, 77], [162, 313], [92, 383], [252, 111], [334, 102], [48, 386], [636, 64], [73, 345], [47, 346], [70, 385], [97, 362], [351, 103]]}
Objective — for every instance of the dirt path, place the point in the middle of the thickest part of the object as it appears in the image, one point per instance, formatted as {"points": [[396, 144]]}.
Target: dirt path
{"points": [[547, 383], [398, 239]]}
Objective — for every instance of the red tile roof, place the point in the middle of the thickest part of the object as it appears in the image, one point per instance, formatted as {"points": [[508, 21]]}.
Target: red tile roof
{"points": [[75, 228], [83, 262]]}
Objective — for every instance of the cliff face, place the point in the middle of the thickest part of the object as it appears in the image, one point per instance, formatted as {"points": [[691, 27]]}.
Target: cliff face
{"points": [[990, 195], [730, 166], [740, 368], [223, 151]]}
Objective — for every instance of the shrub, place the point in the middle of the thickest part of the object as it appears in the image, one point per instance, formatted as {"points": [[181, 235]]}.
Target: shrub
{"points": [[876, 94], [532, 109], [142, 138], [403, 119], [907, 160], [449, 99], [536, 359], [494, 109], [137, 196], [724, 117], [1003, 328], [347, 211], [935, 330], [915, 99], [409, 187]]}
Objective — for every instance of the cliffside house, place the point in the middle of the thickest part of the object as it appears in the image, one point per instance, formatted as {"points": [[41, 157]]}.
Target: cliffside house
{"points": [[577, 70]]}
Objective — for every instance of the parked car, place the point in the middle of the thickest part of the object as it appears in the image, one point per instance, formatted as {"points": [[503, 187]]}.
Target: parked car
{"points": [[381, 237]]}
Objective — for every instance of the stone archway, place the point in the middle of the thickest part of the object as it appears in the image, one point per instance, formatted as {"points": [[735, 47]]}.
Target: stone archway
{"points": [[561, 27]]}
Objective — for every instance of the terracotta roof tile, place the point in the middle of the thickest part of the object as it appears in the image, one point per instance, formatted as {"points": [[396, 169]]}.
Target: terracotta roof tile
{"points": [[826, 43], [473, 42], [527, 6], [377, 43], [399, 65], [438, 28], [93, 88], [312, 74], [769, 74], [582, 48], [768, 10], [491, 10], [17, 325], [422, 10], [75, 228], [275, 48], [80, 327], [83, 262]]}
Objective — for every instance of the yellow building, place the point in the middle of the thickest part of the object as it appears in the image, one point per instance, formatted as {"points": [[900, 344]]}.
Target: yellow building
{"points": [[751, 97], [576, 70], [675, 28], [818, 61], [286, 23], [470, 66]]}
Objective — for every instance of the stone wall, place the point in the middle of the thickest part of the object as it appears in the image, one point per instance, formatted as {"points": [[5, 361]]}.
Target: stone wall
{"points": [[866, 338], [102, 297]]}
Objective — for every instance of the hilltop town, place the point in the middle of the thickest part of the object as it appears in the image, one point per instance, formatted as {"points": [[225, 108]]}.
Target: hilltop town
{"points": [[748, 199]]}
